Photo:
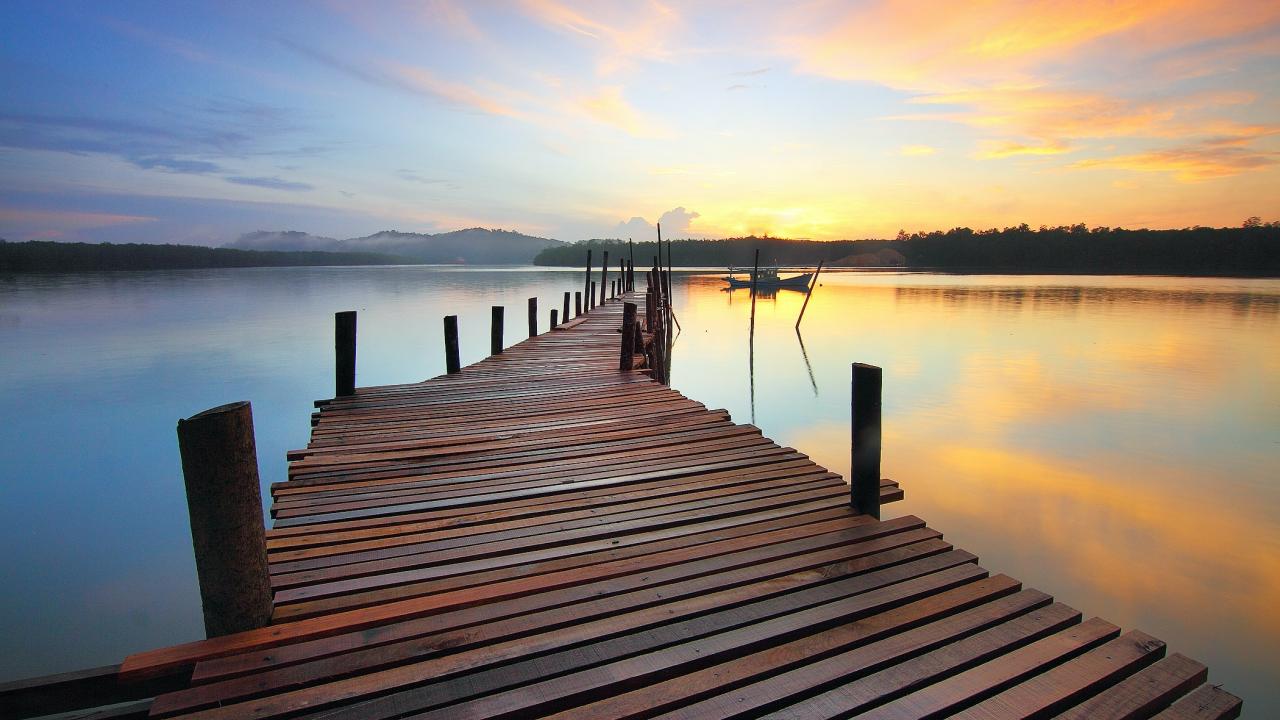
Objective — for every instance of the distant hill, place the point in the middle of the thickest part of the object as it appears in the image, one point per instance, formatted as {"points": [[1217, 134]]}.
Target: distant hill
{"points": [[471, 246], [44, 256]]}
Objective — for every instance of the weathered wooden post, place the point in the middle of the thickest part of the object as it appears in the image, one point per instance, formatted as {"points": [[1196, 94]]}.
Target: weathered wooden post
{"points": [[593, 296], [604, 275], [577, 304], [613, 289], [495, 329], [586, 287], [555, 319], [628, 335], [344, 351], [533, 316], [650, 305], [452, 362], [565, 313], [813, 284], [224, 500], [864, 473]]}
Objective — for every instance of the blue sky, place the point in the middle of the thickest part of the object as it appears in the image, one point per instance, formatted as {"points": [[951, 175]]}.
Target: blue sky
{"points": [[197, 122]]}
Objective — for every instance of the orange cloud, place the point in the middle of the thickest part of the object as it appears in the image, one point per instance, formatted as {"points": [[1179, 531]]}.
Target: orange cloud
{"points": [[619, 40], [1189, 164], [994, 149], [611, 108], [424, 81]]}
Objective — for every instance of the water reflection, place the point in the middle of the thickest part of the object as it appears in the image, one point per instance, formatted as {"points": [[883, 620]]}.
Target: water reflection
{"points": [[1112, 441]]}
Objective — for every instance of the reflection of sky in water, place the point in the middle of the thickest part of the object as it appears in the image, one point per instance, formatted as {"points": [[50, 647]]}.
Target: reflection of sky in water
{"points": [[1110, 440], [1114, 441]]}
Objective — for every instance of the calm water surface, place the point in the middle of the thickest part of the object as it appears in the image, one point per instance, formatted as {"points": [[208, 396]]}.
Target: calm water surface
{"points": [[1112, 441]]}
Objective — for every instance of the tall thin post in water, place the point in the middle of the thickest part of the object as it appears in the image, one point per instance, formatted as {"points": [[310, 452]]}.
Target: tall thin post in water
{"points": [[220, 470], [586, 284], [344, 352], [577, 303], [864, 472], [751, 341], [495, 329], [533, 316], [812, 285], [452, 364], [592, 296], [631, 265], [565, 312], [604, 276]]}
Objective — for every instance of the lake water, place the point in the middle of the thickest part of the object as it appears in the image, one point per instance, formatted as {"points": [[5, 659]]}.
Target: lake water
{"points": [[1114, 441]]}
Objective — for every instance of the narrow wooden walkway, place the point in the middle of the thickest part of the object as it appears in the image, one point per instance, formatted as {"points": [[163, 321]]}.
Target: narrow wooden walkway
{"points": [[541, 535]]}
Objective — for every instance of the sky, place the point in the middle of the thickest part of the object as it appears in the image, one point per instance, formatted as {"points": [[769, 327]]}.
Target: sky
{"points": [[194, 122]]}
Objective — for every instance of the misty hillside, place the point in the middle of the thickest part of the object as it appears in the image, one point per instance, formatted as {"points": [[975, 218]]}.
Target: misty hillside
{"points": [[475, 246]]}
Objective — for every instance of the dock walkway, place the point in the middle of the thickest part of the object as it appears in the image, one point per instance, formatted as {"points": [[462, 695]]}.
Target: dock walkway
{"points": [[543, 535]]}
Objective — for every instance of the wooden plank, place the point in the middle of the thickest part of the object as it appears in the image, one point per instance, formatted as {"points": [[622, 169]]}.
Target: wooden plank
{"points": [[1209, 702], [1144, 693]]}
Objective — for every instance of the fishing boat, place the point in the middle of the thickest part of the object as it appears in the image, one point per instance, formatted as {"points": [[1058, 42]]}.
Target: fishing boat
{"points": [[767, 278]]}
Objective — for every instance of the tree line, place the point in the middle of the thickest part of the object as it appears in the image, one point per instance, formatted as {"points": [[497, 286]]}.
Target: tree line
{"points": [[45, 256], [1250, 250]]}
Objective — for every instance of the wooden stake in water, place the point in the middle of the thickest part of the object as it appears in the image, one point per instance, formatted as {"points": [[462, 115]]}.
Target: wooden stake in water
{"points": [[864, 472], [451, 358], [533, 316], [586, 284], [812, 285], [495, 329], [344, 351]]}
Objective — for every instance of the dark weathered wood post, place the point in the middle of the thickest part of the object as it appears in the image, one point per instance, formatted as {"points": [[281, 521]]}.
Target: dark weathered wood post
{"points": [[344, 351], [650, 308], [864, 473], [613, 289], [495, 329], [452, 361], [604, 276], [565, 313], [628, 335], [593, 296], [555, 318], [533, 316], [224, 500], [812, 284], [586, 286], [577, 304]]}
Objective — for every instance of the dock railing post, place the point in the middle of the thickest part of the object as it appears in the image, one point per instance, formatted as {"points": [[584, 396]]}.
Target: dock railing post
{"points": [[593, 296], [452, 361], [628, 335], [577, 303], [224, 500], [864, 472], [565, 313], [495, 329], [533, 316], [344, 352]]}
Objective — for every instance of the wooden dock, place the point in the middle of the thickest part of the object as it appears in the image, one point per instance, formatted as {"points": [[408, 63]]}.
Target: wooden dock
{"points": [[544, 535]]}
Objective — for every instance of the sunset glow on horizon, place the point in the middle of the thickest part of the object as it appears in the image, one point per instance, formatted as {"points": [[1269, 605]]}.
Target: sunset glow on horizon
{"points": [[158, 122]]}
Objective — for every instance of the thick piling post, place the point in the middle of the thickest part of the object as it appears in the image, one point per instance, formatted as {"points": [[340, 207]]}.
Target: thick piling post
{"points": [[533, 316], [577, 304], [628, 335], [495, 329], [864, 474], [224, 500], [452, 361], [555, 319], [565, 313], [344, 352], [593, 295]]}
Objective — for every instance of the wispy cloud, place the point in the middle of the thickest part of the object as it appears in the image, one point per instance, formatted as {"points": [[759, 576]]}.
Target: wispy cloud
{"points": [[610, 107], [916, 150], [996, 149], [425, 82], [620, 35], [1189, 164], [271, 183]]}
